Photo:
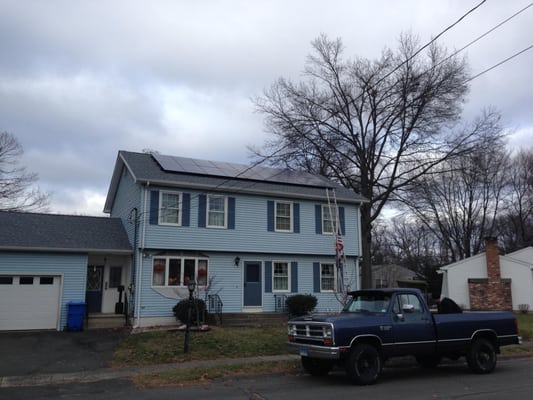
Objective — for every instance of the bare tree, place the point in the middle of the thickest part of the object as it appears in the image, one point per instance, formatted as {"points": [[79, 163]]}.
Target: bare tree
{"points": [[16, 191], [460, 200], [516, 226], [372, 125]]}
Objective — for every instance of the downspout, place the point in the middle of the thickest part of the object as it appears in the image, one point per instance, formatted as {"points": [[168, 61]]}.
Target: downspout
{"points": [[360, 246], [141, 259]]}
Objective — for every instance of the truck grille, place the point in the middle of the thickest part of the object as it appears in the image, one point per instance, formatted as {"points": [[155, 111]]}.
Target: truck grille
{"points": [[303, 332]]}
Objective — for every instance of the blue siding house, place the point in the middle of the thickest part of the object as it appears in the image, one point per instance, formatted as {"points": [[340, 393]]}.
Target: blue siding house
{"points": [[248, 236]]}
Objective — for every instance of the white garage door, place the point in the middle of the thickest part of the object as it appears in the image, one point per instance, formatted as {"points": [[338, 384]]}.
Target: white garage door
{"points": [[29, 302]]}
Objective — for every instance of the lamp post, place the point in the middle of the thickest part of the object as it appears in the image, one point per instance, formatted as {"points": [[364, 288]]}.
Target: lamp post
{"points": [[191, 285]]}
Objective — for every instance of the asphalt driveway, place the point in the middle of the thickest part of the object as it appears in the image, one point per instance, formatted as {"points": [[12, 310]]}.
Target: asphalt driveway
{"points": [[29, 353]]}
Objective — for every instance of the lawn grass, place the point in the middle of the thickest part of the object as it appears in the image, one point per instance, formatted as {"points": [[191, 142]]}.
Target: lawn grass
{"points": [[167, 346], [198, 376], [228, 342], [525, 326]]}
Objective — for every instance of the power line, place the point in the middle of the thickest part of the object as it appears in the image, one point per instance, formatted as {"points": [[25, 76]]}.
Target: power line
{"points": [[500, 63], [486, 33]]}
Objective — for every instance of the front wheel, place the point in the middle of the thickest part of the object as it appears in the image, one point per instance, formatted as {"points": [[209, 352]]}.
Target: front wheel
{"points": [[481, 356], [364, 364], [316, 367]]}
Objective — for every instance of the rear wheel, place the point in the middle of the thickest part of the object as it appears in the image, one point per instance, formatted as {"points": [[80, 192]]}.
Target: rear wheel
{"points": [[316, 367], [364, 364], [481, 356]]}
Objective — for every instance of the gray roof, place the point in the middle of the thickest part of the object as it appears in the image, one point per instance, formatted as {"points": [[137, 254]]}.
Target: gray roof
{"points": [[224, 177], [66, 233]]}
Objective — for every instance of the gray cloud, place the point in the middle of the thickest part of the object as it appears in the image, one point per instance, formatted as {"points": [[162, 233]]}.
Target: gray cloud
{"points": [[81, 80]]}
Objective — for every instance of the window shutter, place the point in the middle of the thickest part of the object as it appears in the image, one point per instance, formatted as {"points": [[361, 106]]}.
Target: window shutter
{"points": [[294, 277], [341, 219], [316, 277], [185, 209], [296, 210], [268, 276], [231, 212], [270, 216], [202, 204], [154, 207], [318, 219]]}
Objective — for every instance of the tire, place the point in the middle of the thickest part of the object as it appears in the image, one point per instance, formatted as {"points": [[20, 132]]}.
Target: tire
{"points": [[428, 361], [316, 367], [364, 364], [481, 356]]}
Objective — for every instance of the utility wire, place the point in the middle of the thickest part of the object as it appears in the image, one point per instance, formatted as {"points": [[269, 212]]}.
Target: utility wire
{"points": [[486, 33], [500, 63]]}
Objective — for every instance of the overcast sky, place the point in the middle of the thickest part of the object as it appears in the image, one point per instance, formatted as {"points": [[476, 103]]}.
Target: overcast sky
{"points": [[81, 80]]}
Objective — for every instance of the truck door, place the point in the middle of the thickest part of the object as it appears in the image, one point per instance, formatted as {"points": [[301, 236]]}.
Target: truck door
{"points": [[413, 328]]}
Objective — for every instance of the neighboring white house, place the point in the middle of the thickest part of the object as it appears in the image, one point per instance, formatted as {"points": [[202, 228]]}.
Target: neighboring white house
{"points": [[514, 269]]}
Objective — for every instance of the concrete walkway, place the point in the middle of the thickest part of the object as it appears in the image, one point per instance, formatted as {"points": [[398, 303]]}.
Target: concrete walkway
{"points": [[122, 373]]}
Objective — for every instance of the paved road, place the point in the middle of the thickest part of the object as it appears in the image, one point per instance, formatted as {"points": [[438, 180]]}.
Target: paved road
{"points": [[511, 380]]}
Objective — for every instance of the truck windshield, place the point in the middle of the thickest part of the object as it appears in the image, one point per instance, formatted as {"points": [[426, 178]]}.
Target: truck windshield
{"points": [[372, 303]]}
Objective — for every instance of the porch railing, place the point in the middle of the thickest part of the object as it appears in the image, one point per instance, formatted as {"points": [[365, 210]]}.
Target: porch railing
{"points": [[280, 303], [214, 305]]}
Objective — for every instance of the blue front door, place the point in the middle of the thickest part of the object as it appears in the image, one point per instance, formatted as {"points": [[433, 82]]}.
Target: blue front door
{"points": [[93, 294], [253, 287]]}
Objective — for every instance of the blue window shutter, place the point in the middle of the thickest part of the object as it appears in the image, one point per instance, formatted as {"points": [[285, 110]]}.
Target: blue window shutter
{"points": [[318, 219], [316, 277], [185, 209], [341, 219], [296, 210], [231, 212], [268, 276], [294, 277], [270, 216], [202, 203], [154, 207]]}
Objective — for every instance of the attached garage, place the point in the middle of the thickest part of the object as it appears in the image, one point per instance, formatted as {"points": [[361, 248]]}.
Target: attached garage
{"points": [[29, 302], [43, 264]]}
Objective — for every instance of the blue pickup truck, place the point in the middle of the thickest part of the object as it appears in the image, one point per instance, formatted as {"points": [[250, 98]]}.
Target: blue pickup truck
{"points": [[379, 324]]}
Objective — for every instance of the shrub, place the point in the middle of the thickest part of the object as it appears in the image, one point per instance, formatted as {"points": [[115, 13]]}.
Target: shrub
{"points": [[524, 308], [181, 311], [301, 304]]}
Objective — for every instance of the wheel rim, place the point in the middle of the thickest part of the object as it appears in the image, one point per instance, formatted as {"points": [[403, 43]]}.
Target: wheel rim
{"points": [[484, 357], [367, 365]]}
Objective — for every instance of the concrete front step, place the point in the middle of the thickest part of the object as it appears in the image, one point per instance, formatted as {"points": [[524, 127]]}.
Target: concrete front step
{"points": [[104, 321]]}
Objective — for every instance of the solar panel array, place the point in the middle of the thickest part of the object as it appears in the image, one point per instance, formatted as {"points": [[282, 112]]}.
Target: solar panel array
{"points": [[240, 171]]}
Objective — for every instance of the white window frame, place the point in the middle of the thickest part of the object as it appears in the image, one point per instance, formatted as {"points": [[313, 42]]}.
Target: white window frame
{"points": [[197, 261], [327, 208], [274, 290], [161, 209], [291, 216], [225, 211], [322, 265]]}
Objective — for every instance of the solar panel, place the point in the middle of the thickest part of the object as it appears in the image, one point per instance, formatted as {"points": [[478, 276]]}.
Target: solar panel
{"points": [[240, 171]]}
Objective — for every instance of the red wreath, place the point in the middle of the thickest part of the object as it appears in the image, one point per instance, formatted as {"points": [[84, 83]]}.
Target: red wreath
{"points": [[159, 267], [202, 272]]}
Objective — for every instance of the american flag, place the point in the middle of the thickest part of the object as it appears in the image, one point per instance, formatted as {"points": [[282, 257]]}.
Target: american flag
{"points": [[339, 246]]}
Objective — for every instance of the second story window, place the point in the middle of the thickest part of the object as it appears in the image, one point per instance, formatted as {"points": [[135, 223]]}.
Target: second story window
{"points": [[216, 211], [169, 208], [329, 219], [283, 217]]}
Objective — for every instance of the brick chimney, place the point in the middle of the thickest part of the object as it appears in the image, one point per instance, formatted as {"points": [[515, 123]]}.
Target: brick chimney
{"points": [[492, 254], [492, 293]]}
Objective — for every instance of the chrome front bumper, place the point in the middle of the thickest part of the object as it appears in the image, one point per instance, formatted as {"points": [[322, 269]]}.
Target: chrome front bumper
{"points": [[309, 350]]}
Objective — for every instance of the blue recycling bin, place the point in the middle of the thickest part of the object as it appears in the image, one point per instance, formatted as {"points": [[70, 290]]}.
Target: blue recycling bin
{"points": [[75, 316]]}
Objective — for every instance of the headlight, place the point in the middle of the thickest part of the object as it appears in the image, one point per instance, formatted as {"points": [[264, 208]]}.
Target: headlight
{"points": [[291, 330], [328, 332]]}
